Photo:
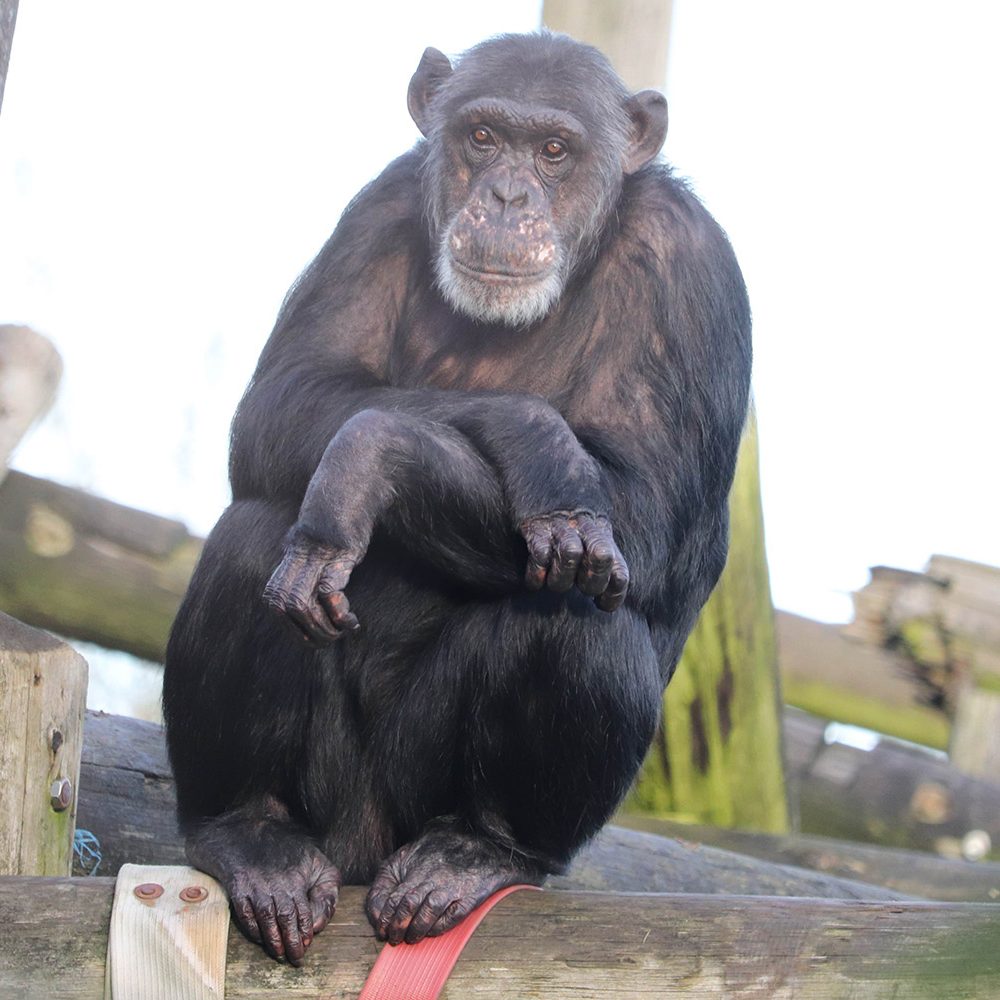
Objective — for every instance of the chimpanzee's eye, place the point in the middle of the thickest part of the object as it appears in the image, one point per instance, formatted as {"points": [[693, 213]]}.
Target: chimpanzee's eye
{"points": [[482, 137], [554, 150]]}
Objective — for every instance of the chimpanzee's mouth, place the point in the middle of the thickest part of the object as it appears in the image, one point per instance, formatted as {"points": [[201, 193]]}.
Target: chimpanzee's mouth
{"points": [[498, 276]]}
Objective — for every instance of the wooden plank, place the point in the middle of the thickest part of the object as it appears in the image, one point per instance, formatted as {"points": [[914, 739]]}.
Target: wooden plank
{"points": [[30, 367], [554, 944], [43, 686], [913, 873], [89, 568]]}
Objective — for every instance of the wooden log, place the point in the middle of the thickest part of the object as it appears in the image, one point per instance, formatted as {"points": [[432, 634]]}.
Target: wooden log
{"points": [[30, 367], [89, 568], [127, 802], [912, 873], [895, 795], [554, 944], [43, 688]]}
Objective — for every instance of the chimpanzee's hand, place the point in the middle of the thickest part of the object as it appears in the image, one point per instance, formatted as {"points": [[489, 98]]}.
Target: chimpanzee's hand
{"points": [[567, 547], [307, 590]]}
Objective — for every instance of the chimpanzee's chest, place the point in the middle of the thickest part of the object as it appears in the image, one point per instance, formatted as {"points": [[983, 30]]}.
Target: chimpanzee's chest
{"points": [[435, 347]]}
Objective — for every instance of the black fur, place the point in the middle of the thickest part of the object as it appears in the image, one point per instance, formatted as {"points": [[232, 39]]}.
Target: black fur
{"points": [[389, 440]]}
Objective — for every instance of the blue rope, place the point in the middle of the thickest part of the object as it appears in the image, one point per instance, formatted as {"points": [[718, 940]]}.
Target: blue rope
{"points": [[87, 849]]}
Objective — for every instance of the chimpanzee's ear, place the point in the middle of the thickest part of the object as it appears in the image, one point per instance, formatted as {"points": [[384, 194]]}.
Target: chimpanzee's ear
{"points": [[648, 111], [433, 70]]}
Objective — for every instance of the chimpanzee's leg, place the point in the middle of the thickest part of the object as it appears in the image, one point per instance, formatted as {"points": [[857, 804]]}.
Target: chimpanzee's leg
{"points": [[236, 699], [561, 701]]}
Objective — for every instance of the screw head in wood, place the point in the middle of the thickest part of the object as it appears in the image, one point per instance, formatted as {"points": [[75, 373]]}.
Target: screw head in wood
{"points": [[148, 890], [61, 794], [194, 894]]}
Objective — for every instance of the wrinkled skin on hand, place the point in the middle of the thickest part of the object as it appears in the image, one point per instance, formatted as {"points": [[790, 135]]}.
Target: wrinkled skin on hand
{"points": [[578, 547], [307, 591], [432, 884], [282, 888]]}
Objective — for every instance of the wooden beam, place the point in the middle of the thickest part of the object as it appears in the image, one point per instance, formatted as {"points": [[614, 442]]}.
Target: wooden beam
{"points": [[89, 568], [913, 873], [554, 944], [127, 802], [43, 688], [894, 795]]}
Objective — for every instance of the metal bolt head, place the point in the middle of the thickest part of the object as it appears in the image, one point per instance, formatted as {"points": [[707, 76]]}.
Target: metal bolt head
{"points": [[148, 890], [61, 794], [194, 894]]}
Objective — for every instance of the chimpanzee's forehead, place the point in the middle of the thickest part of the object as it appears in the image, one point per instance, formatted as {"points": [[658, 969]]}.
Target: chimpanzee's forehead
{"points": [[544, 70]]}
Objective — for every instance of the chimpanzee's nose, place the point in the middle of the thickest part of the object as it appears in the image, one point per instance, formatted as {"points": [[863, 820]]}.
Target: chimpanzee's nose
{"points": [[508, 191]]}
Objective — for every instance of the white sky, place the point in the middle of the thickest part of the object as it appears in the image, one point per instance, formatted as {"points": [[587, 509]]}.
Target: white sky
{"points": [[166, 171]]}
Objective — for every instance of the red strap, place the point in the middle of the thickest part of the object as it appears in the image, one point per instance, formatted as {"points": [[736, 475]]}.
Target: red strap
{"points": [[419, 971]]}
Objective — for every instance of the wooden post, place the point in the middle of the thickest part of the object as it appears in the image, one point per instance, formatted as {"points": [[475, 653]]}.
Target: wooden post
{"points": [[43, 686], [975, 734], [717, 758], [30, 369], [8, 15]]}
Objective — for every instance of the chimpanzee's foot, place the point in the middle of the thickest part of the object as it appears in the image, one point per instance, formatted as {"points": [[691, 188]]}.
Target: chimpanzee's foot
{"points": [[282, 888], [429, 886]]}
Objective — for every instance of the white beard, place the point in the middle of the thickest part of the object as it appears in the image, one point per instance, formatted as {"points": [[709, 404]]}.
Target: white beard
{"points": [[513, 303]]}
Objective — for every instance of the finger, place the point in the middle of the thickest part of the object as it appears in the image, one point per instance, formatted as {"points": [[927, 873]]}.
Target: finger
{"points": [[288, 923], [539, 539], [246, 918], [614, 596], [304, 917], [411, 901], [598, 558], [387, 914], [566, 556], [378, 897], [270, 932], [453, 914], [338, 611], [323, 897], [427, 914], [311, 621]]}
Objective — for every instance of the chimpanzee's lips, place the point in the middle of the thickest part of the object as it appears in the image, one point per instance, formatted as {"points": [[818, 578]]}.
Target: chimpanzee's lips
{"points": [[497, 276]]}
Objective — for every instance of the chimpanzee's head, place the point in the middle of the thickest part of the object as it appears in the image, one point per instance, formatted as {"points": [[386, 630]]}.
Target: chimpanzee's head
{"points": [[529, 140]]}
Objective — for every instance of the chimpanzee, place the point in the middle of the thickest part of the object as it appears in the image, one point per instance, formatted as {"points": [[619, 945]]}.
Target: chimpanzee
{"points": [[479, 496]]}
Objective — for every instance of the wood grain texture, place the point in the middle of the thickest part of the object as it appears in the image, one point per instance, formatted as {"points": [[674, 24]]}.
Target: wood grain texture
{"points": [[127, 802], [89, 568], [912, 873], [43, 688], [558, 944]]}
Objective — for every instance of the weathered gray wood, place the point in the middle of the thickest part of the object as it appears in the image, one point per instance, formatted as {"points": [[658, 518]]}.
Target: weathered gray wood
{"points": [[43, 689], [89, 568], [826, 673], [975, 735], [8, 15], [913, 873], [893, 795], [127, 802], [553, 944], [30, 367]]}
